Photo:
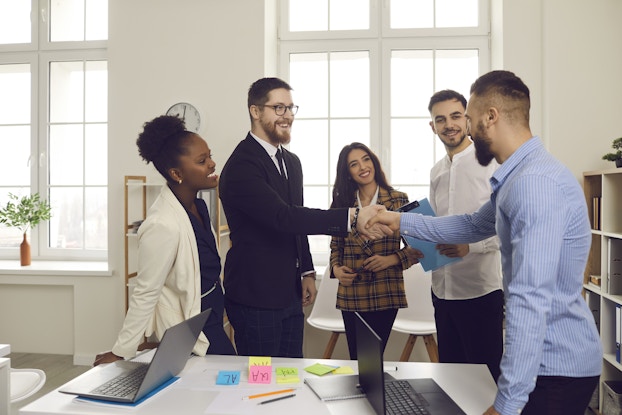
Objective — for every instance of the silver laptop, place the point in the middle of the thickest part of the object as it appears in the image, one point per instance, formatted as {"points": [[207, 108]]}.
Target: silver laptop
{"points": [[388, 395], [129, 381]]}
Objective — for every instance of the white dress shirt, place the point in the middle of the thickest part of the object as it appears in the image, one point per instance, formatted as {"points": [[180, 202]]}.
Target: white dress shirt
{"points": [[462, 186]]}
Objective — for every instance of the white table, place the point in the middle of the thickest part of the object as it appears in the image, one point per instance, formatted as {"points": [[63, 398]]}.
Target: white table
{"points": [[196, 392], [5, 376]]}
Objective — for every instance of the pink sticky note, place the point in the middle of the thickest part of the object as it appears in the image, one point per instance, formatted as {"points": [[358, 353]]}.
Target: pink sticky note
{"points": [[260, 374]]}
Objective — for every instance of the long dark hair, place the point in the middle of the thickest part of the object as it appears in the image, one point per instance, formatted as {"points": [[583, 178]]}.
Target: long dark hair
{"points": [[344, 189]]}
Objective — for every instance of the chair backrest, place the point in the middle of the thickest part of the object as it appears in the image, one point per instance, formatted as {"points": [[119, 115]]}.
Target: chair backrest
{"points": [[324, 306], [417, 284]]}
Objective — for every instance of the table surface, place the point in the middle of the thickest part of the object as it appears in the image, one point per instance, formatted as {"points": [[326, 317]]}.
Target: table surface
{"points": [[196, 392]]}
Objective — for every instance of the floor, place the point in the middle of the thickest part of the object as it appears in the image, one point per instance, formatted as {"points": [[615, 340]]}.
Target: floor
{"points": [[59, 369]]}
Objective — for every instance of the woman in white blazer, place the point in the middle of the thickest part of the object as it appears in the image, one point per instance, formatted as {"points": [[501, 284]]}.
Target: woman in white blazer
{"points": [[178, 263]]}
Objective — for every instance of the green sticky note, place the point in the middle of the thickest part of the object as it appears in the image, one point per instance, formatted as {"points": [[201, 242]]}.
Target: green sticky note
{"points": [[343, 370], [287, 375], [320, 369]]}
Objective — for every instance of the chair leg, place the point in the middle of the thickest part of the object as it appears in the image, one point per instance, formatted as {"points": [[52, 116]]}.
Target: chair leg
{"points": [[330, 347], [431, 346], [408, 348]]}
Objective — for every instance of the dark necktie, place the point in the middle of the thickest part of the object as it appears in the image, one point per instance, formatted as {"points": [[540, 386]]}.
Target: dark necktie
{"points": [[279, 157]]}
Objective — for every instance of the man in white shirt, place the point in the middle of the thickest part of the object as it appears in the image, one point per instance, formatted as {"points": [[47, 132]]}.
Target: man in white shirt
{"points": [[467, 295]]}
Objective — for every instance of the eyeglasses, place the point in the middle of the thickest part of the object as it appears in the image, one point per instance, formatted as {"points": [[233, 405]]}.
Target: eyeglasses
{"points": [[280, 109]]}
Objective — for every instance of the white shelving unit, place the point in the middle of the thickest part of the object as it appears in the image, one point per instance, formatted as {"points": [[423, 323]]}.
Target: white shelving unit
{"points": [[603, 194]]}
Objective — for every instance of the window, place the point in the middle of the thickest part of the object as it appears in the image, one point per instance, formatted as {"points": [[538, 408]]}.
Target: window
{"points": [[53, 122], [364, 71]]}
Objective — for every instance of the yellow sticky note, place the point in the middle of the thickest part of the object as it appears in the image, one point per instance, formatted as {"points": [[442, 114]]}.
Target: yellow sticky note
{"points": [[259, 361], [343, 370], [287, 375], [320, 369]]}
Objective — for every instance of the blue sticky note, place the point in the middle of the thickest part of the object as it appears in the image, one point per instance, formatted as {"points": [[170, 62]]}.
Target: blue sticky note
{"points": [[228, 377]]}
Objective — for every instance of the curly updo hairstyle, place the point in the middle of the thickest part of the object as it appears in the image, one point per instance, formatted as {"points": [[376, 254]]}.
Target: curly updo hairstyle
{"points": [[162, 142]]}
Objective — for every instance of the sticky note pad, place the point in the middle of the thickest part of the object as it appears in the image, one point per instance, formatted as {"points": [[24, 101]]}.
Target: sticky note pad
{"points": [[228, 377], [343, 370], [287, 375], [259, 361], [260, 374], [320, 369]]}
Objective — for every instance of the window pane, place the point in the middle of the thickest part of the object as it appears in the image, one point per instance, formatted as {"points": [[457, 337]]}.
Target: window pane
{"points": [[412, 82], [15, 96], [66, 92], [407, 14], [15, 24], [456, 13], [66, 155], [95, 154], [349, 84], [96, 19], [15, 164], [342, 133], [349, 14], [96, 91], [305, 15], [66, 20], [309, 143], [446, 75], [309, 78], [66, 222], [412, 144], [96, 226]]}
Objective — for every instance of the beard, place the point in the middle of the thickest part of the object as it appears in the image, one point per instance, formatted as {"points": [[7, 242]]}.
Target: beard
{"points": [[482, 146], [449, 144], [275, 134]]}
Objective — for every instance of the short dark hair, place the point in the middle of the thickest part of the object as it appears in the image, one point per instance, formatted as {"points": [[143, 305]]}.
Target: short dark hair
{"points": [[259, 90], [505, 86], [446, 95], [162, 141]]}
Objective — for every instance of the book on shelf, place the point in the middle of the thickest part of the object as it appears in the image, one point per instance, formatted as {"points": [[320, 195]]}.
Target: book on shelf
{"points": [[618, 322], [596, 213], [614, 266]]}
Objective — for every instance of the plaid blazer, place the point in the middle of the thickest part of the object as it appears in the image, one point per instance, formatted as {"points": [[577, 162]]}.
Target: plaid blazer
{"points": [[372, 291]]}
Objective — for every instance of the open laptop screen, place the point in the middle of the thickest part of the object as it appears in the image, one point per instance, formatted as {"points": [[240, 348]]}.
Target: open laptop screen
{"points": [[370, 362]]}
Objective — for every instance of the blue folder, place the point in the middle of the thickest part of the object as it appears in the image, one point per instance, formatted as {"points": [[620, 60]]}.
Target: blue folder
{"points": [[432, 258]]}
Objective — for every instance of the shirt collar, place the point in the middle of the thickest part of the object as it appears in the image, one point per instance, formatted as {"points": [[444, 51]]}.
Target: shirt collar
{"points": [[504, 170], [270, 149]]}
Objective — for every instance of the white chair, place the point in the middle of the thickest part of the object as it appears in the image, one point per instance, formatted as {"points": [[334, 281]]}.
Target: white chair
{"points": [[418, 319], [25, 382], [324, 315]]}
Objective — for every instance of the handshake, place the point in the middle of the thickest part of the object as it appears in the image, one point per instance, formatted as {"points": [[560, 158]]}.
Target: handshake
{"points": [[375, 221]]}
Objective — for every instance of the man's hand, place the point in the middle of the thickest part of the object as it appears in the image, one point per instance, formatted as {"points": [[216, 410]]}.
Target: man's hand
{"points": [[309, 291], [491, 411], [107, 357], [369, 219], [345, 275], [414, 255], [453, 251]]}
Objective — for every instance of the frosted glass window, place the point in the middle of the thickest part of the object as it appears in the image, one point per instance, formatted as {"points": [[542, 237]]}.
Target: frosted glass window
{"points": [[421, 14], [15, 24], [324, 15]]}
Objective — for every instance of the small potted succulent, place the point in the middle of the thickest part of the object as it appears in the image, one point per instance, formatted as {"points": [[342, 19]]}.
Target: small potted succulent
{"points": [[617, 156], [25, 213]]}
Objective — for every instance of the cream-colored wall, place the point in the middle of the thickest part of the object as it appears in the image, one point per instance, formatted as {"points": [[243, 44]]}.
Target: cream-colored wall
{"points": [[208, 52]]}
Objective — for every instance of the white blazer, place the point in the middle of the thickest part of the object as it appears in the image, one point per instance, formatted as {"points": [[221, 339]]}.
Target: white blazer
{"points": [[168, 284]]}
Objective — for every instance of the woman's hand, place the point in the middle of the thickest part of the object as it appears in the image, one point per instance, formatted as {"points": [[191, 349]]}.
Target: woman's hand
{"points": [[379, 263], [107, 357], [344, 274]]}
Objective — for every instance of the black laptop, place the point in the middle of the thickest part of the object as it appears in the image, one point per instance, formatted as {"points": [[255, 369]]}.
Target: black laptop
{"points": [[388, 395], [128, 381]]}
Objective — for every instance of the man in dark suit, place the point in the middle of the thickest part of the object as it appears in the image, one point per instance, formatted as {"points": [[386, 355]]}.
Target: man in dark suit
{"points": [[269, 274]]}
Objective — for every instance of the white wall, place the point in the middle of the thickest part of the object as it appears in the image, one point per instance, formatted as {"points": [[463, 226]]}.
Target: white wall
{"points": [[208, 52]]}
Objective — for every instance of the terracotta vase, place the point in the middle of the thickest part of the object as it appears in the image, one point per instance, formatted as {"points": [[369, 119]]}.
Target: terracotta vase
{"points": [[24, 252]]}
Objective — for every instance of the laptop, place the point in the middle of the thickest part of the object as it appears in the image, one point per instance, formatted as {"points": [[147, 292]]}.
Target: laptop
{"points": [[376, 384], [128, 381]]}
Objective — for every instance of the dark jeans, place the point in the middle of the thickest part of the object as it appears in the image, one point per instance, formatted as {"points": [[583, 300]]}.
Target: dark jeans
{"points": [[470, 331], [219, 342], [380, 321], [267, 332], [558, 395]]}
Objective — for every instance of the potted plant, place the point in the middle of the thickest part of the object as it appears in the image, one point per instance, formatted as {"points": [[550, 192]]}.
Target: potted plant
{"points": [[25, 213], [617, 156]]}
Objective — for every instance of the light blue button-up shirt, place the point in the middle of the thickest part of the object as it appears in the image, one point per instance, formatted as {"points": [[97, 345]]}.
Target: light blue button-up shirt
{"points": [[538, 210]]}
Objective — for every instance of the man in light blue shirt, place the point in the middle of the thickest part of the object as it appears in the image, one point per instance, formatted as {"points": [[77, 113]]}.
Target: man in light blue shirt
{"points": [[552, 357]]}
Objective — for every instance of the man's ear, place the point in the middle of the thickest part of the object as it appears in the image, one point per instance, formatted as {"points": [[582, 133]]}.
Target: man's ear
{"points": [[254, 111], [493, 115], [433, 128]]}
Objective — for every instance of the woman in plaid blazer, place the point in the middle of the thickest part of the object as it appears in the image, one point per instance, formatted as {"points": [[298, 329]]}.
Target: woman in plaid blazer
{"points": [[369, 272]]}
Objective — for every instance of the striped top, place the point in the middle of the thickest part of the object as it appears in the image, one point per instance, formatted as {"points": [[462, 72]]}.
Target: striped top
{"points": [[372, 291], [541, 219]]}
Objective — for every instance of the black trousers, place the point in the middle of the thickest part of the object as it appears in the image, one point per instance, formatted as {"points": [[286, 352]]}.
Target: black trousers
{"points": [[471, 331], [559, 395], [380, 321], [219, 342]]}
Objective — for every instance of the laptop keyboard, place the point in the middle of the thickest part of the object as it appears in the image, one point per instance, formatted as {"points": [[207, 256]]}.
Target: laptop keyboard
{"points": [[402, 400], [125, 385]]}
